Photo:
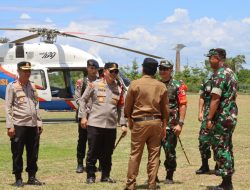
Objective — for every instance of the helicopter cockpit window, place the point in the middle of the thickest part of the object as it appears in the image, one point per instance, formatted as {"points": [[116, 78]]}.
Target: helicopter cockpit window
{"points": [[38, 77]]}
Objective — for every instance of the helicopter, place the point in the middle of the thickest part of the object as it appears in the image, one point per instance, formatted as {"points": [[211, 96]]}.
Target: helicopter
{"points": [[54, 66]]}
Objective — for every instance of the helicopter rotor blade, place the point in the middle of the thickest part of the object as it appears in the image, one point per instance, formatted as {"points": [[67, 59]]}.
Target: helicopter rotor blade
{"points": [[98, 35], [30, 37], [115, 46], [15, 29]]}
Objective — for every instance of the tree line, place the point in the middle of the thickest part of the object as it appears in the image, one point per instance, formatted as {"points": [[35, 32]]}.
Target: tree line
{"points": [[193, 76]]}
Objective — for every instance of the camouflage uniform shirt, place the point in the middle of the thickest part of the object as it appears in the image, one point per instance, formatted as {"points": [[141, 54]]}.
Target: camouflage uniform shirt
{"points": [[225, 85], [205, 93], [173, 92]]}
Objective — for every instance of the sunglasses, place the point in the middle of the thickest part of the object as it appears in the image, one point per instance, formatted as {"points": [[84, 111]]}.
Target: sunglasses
{"points": [[116, 71], [164, 69]]}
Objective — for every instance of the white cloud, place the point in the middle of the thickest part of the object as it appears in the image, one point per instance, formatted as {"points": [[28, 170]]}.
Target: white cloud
{"points": [[199, 35], [180, 15], [246, 20], [25, 16], [48, 20]]}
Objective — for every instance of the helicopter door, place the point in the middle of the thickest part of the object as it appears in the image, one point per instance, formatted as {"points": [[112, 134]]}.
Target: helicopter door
{"points": [[39, 77]]}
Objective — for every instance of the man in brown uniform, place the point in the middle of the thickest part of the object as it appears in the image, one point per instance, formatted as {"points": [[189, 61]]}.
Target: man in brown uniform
{"points": [[146, 108], [24, 124]]}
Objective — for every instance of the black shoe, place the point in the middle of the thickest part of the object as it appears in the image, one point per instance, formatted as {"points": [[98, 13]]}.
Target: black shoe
{"points": [[202, 170], [19, 183], [108, 180], [79, 168], [90, 180], [34, 181]]}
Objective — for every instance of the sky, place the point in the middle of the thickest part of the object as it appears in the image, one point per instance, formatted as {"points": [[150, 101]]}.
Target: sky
{"points": [[152, 26]]}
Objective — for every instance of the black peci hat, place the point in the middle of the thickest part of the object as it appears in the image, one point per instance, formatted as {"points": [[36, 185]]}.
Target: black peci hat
{"points": [[150, 63]]}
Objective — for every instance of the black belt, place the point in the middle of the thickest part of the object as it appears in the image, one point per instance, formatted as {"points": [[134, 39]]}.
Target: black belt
{"points": [[146, 118]]}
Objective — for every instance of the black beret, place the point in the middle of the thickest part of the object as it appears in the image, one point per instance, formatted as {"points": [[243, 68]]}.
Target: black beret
{"points": [[92, 62]]}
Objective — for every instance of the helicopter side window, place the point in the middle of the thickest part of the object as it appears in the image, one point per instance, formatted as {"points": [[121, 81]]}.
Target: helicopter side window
{"points": [[60, 83], [38, 77], [19, 51]]}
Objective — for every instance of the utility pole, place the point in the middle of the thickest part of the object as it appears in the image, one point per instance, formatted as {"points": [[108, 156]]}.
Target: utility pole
{"points": [[178, 48]]}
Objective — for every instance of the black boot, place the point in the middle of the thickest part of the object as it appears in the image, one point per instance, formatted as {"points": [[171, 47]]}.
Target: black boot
{"points": [[19, 181], [80, 167], [204, 169], [226, 184], [33, 181], [90, 176], [169, 177], [106, 178]]}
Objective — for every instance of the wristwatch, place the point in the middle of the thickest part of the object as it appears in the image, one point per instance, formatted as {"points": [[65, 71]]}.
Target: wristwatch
{"points": [[181, 123]]}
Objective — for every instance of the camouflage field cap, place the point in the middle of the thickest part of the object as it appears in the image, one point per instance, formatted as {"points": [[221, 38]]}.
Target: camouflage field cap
{"points": [[24, 65], [166, 64], [218, 51]]}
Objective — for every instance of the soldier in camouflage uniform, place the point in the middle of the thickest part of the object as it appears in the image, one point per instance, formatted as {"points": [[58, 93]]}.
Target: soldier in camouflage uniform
{"points": [[177, 106], [81, 85], [222, 117], [205, 134]]}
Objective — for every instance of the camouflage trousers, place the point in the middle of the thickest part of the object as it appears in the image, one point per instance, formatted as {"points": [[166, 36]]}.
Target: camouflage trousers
{"points": [[223, 148], [169, 148], [205, 136]]}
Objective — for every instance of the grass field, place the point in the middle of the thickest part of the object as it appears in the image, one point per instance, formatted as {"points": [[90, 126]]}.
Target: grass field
{"points": [[57, 155]]}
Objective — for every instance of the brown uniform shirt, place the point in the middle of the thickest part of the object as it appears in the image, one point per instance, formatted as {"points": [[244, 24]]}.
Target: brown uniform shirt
{"points": [[22, 105], [146, 97]]}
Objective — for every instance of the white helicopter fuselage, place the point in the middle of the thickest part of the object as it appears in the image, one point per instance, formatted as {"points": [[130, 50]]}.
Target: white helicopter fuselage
{"points": [[53, 67]]}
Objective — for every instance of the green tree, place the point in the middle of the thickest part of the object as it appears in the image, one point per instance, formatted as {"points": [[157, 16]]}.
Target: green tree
{"points": [[235, 63], [4, 40], [131, 73]]}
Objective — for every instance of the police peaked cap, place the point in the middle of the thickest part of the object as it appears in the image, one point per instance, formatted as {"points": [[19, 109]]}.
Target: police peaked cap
{"points": [[24, 65], [111, 66]]}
